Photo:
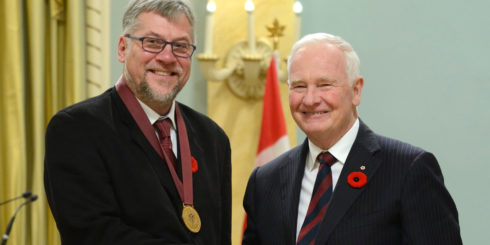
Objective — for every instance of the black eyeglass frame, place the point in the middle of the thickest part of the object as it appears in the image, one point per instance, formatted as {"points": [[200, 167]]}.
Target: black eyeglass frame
{"points": [[163, 46]]}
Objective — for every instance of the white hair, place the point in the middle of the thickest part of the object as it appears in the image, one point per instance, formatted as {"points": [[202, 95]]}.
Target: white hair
{"points": [[352, 62]]}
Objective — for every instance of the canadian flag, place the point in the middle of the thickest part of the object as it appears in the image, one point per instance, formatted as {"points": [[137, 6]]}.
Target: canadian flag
{"points": [[273, 135], [273, 139]]}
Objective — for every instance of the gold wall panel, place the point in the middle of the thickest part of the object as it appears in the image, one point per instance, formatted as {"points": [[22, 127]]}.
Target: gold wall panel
{"points": [[241, 118]]}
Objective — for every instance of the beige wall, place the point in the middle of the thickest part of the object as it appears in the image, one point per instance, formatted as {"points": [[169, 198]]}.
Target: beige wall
{"points": [[241, 117]]}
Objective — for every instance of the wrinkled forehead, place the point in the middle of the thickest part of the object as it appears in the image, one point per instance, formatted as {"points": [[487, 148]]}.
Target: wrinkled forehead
{"points": [[317, 54], [315, 62]]}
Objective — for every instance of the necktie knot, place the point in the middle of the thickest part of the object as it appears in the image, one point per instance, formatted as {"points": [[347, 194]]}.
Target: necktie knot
{"points": [[326, 158], [163, 130], [163, 127], [322, 192]]}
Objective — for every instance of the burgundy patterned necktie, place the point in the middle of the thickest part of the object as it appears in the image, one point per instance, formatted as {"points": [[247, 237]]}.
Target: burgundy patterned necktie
{"points": [[322, 192], [163, 130]]}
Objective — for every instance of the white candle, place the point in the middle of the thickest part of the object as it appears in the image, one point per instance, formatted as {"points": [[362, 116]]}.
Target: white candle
{"points": [[297, 9], [208, 38], [249, 7]]}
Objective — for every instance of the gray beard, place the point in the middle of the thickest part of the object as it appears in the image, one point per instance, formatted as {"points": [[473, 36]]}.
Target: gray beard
{"points": [[145, 94], [145, 91]]}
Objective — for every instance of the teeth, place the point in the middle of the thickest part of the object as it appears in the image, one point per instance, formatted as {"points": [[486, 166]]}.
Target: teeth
{"points": [[316, 113], [162, 73]]}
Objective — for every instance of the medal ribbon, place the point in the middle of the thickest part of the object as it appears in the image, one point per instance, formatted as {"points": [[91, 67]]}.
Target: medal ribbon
{"points": [[184, 187]]}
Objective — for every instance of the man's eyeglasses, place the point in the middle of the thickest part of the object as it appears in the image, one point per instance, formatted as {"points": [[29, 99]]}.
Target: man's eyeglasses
{"points": [[155, 45]]}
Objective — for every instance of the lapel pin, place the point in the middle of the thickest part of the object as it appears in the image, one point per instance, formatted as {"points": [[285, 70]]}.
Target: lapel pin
{"points": [[357, 179], [363, 167], [194, 164]]}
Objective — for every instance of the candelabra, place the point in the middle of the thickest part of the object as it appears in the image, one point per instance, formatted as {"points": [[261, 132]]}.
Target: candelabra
{"points": [[246, 63]]}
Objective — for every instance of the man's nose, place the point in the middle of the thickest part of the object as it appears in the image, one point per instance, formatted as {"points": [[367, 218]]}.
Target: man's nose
{"points": [[166, 54], [311, 97]]}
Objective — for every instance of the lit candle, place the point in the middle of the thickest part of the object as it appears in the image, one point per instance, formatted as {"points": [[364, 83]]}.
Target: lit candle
{"points": [[249, 7], [297, 9], [208, 38]]}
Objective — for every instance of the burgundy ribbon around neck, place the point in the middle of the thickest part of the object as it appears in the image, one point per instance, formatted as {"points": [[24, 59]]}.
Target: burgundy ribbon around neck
{"points": [[184, 187]]}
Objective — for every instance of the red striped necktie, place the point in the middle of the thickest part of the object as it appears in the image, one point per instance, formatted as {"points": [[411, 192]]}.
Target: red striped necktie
{"points": [[163, 130], [322, 192]]}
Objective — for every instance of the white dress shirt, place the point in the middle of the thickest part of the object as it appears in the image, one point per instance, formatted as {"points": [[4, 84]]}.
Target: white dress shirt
{"points": [[340, 151], [153, 116]]}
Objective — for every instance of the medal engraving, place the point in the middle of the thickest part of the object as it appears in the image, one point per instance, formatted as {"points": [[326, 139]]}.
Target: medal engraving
{"points": [[191, 219]]}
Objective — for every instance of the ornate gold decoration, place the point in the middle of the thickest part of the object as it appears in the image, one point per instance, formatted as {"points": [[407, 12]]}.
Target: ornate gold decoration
{"points": [[249, 77], [244, 69], [275, 31]]}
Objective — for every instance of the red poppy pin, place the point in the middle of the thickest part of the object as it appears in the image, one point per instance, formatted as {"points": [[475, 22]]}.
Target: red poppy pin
{"points": [[357, 179], [194, 164]]}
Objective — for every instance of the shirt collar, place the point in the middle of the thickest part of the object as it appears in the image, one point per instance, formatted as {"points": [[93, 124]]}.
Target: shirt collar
{"points": [[153, 116], [339, 150]]}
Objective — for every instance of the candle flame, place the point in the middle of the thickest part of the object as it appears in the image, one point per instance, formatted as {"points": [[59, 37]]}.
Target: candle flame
{"points": [[249, 6], [211, 7], [297, 7]]}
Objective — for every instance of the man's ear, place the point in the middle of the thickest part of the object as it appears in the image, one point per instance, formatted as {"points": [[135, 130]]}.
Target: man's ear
{"points": [[357, 88], [122, 48]]}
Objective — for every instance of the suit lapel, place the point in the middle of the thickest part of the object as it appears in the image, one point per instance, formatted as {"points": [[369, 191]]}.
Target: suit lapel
{"points": [[135, 133], [362, 154], [291, 175], [137, 138], [196, 148]]}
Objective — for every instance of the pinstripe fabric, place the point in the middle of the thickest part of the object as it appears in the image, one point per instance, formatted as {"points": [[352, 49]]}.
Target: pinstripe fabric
{"points": [[403, 202], [322, 191]]}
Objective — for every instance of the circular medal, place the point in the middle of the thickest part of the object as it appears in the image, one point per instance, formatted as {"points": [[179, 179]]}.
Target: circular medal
{"points": [[191, 218]]}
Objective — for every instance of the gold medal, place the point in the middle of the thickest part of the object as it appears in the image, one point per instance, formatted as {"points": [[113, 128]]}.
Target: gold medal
{"points": [[191, 218]]}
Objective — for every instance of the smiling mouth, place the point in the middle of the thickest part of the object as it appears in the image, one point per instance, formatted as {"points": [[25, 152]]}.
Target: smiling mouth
{"points": [[315, 113], [164, 73]]}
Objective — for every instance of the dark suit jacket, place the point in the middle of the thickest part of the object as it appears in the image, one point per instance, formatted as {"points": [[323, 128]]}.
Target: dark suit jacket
{"points": [[403, 202], [106, 184]]}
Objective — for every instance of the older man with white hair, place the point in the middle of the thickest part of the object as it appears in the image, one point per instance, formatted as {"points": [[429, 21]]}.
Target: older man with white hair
{"points": [[344, 184]]}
